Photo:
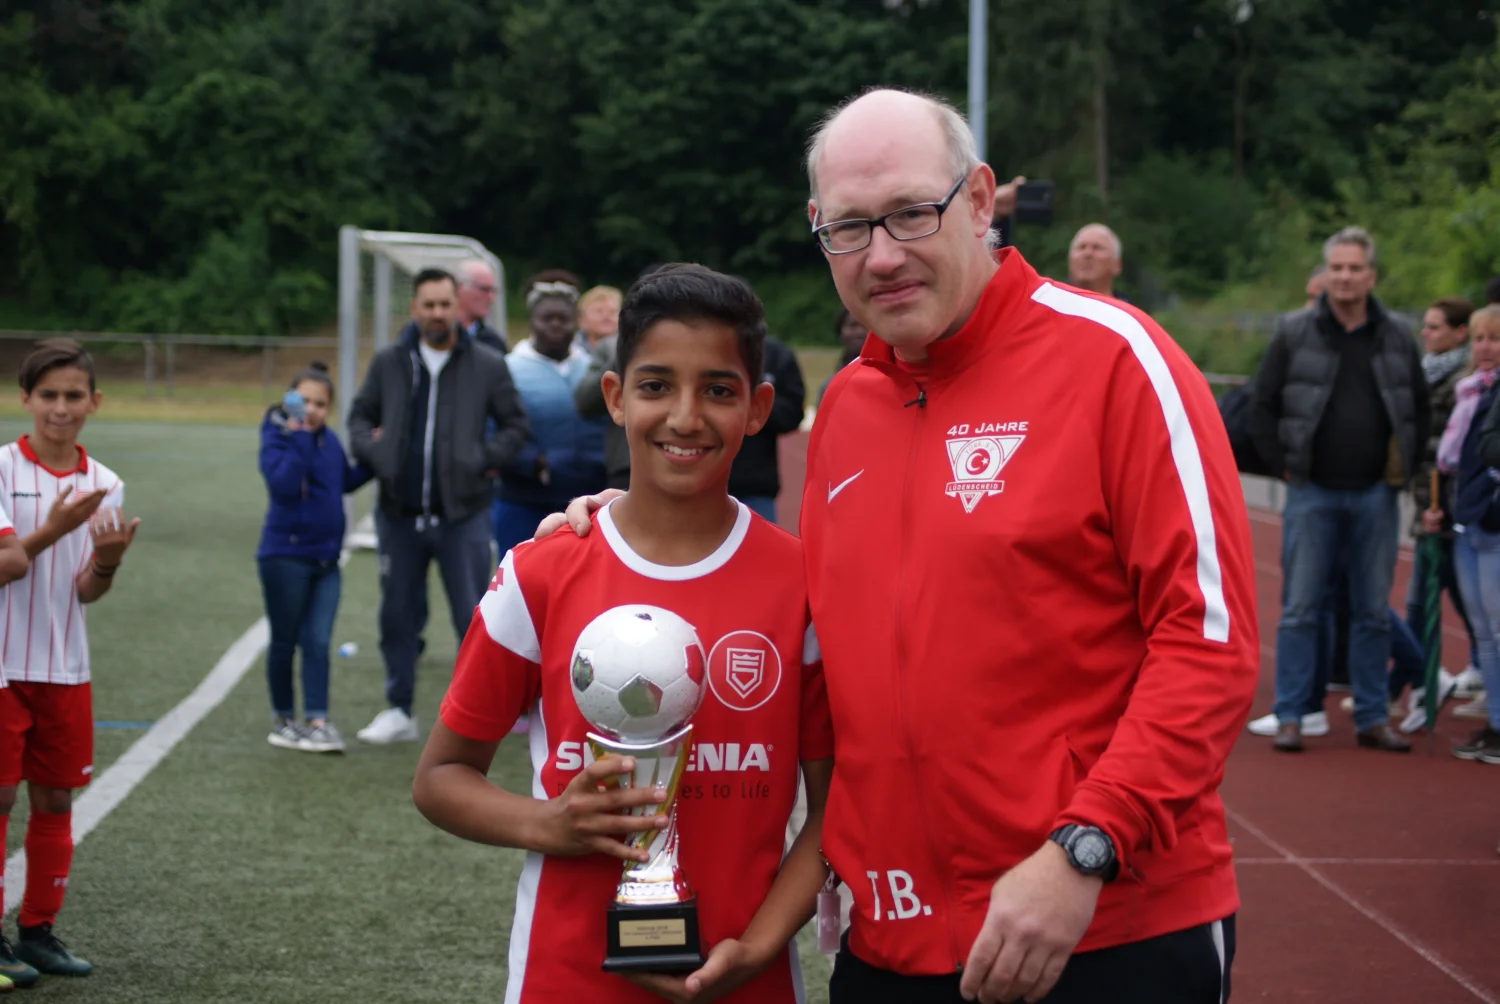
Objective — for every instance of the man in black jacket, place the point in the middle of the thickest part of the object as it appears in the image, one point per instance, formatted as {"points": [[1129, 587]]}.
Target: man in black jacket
{"points": [[1342, 414], [436, 419], [755, 478]]}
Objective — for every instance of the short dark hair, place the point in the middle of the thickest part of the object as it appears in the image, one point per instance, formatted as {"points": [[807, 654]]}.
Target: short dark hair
{"points": [[688, 292], [317, 371], [427, 275], [1492, 290], [54, 354], [1456, 310]]}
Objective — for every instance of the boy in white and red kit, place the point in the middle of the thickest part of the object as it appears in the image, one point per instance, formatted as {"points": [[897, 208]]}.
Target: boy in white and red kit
{"points": [[65, 507]]}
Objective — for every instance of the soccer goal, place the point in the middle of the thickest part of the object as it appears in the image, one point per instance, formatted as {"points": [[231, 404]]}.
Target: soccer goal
{"points": [[372, 263]]}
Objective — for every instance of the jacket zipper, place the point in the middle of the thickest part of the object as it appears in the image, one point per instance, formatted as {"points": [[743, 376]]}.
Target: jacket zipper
{"points": [[920, 401]]}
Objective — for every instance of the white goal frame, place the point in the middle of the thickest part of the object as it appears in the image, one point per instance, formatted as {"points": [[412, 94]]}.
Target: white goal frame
{"points": [[412, 252]]}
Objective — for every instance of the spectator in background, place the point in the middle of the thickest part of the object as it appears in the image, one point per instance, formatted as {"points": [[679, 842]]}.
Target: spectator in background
{"points": [[1468, 452], [1094, 259], [598, 317], [477, 289], [1316, 284], [564, 454], [436, 420], [1492, 290], [1445, 360], [851, 337], [755, 477], [589, 399], [306, 476], [1342, 411]]}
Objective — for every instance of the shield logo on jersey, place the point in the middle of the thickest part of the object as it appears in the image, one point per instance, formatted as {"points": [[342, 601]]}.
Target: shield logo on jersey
{"points": [[975, 462], [744, 670]]}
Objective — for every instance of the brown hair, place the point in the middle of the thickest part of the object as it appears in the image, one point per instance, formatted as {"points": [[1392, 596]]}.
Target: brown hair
{"points": [[55, 353], [1456, 310]]}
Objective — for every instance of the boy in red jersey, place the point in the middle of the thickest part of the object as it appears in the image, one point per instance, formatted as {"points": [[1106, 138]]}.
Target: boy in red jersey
{"points": [[66, 509], [687, 392]]}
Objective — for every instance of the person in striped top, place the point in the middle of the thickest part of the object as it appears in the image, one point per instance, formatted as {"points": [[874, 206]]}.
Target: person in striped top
{"points": [[66, 508]]}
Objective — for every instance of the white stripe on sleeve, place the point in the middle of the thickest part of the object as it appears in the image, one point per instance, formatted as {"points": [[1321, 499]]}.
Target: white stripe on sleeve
{"points": [[1185, 455], [505, 615]]}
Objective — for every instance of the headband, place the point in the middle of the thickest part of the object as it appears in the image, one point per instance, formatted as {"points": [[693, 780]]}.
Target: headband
{"points": [[543, 289]]}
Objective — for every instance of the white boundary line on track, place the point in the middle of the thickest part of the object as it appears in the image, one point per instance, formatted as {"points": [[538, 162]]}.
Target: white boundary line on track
{"points": [[1370, 913], [111, 787], [1376, 862]]}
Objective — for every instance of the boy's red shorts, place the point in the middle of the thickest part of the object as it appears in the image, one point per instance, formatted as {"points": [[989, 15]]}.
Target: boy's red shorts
{"points": [[46, 734]]}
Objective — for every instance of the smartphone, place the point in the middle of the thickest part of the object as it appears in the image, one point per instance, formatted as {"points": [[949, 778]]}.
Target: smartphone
{"points": [[1034, 202], [294, 406]]}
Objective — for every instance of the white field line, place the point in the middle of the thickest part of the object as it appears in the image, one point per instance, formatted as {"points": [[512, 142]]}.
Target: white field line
{"points": [[111, 787], [1370, 913]]}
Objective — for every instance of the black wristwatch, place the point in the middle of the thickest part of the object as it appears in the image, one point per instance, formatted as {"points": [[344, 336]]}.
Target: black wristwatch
{"points": [[1089, 850]]}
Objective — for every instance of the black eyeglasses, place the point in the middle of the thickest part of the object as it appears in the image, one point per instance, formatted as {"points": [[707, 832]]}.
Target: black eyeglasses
{"points": [[909, 223]]}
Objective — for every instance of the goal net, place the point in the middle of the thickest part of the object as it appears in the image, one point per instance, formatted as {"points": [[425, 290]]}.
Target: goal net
{"points": [[375, 272]]}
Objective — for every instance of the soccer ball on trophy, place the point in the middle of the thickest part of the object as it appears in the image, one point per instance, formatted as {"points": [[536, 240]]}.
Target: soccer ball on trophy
{"points": [[638, 677], [638, 673]]}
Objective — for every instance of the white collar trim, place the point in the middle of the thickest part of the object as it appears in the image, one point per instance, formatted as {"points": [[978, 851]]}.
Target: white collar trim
{"points": [[675, 573]]}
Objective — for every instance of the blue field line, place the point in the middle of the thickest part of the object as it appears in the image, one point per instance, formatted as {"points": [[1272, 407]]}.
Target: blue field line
{"points": [[123, 725]]}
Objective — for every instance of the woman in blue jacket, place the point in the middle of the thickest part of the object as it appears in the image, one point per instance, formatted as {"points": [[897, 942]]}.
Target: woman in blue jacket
{"points": [[564, 457], [1475, 507], [306, 475]]}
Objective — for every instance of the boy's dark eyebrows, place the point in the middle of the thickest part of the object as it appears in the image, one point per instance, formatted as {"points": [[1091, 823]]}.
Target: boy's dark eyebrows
{"points": [[723, 375]]}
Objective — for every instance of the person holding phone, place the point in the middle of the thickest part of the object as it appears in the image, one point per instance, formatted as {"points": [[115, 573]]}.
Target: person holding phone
{"points": [[307, 475]]}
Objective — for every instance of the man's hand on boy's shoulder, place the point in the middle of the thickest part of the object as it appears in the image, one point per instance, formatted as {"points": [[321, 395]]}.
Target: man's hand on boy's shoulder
{"points": [[731, 964], [578, 515]]}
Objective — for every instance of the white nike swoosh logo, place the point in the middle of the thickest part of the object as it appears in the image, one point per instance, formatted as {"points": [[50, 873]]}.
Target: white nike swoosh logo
{"points": [[834, 491]]}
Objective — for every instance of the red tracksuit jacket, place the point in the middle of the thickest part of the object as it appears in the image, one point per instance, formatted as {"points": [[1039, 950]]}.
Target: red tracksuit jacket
{"points": [[1030, 567]]}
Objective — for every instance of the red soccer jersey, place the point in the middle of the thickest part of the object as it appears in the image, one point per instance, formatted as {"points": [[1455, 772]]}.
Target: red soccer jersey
{"points": [[753, 729]]}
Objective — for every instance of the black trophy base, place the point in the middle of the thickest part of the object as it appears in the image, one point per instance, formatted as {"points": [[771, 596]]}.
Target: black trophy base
{"points": [[652, 939]]}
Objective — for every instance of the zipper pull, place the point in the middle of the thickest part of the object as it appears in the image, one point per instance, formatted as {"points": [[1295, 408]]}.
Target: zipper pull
{"points": [[920, 400]]}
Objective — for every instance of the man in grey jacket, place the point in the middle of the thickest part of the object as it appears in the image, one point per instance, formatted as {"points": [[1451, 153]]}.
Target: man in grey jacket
{"points": [[436, 419], [1342, 412]]}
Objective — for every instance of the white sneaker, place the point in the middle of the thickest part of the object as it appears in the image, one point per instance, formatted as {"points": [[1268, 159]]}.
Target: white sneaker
{"points": [[390, 726], [1314, 725], [1469, 681], [1478, 708], [1416, 714]]}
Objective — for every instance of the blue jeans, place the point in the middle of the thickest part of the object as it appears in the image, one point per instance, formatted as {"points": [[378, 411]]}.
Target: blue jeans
{"points": [[763, 506], [302, 597], [407, 550], [1476, 558], [1321, 527]]}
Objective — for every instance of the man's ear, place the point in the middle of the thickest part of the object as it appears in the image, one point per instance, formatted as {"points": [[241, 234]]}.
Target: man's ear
{"points": [[614, 395], [760, 408]]}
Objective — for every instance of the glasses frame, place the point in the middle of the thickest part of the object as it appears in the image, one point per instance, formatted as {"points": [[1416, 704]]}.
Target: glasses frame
{"points": [[879, 221]]}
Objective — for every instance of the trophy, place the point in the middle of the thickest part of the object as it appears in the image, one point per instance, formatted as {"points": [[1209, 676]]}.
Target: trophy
{"points": [[638, 677]]}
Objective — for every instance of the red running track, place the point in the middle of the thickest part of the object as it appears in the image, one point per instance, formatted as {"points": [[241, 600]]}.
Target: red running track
{"points": [[1365, 876]]}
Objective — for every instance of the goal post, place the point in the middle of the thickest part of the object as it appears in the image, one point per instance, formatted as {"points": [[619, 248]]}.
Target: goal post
{"points": [[371, 262]]}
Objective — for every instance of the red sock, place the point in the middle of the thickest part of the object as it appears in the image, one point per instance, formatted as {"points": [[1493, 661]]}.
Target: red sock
{"points": [[49, 852]]}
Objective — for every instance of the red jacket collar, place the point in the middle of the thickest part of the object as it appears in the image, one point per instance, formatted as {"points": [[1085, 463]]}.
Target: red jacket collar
{"points": [[26, 451], [1012, 283]]}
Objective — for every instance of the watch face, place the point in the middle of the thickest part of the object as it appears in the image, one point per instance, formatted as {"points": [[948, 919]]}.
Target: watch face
{"points": [[1091, 850]]}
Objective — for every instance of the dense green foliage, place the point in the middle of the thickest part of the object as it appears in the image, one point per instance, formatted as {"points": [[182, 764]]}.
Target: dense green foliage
{"points": [[185, 164]]}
